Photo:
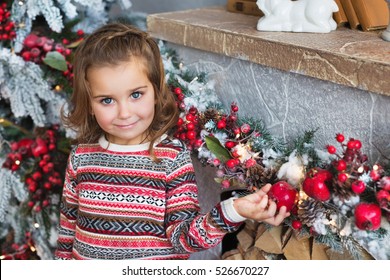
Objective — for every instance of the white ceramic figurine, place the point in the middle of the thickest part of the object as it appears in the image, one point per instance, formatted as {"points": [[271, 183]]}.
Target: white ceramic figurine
{"points": [[297, 16]]}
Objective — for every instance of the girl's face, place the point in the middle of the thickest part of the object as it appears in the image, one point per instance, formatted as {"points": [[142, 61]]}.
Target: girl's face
{"points": [[122, 101]]}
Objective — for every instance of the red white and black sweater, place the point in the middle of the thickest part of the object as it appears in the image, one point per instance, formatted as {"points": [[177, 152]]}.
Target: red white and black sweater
{"points": [[119, 204]]}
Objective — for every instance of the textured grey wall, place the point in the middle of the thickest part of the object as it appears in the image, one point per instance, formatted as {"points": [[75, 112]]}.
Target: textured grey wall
{"points": [[291, 103]]}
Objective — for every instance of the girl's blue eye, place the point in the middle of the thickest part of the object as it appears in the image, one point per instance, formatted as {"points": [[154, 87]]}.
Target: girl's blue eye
{"points": [[106, 101], [136, 95]]}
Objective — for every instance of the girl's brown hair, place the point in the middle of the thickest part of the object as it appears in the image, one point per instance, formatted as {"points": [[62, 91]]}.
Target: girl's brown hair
{"points": [[110, 45]]}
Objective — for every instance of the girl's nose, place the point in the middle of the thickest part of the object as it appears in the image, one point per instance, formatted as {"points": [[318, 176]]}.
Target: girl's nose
{"points": [[124, 110]]}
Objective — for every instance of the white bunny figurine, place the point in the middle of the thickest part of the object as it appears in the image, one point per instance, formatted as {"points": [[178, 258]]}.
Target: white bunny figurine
{"points": [[297, 16]]}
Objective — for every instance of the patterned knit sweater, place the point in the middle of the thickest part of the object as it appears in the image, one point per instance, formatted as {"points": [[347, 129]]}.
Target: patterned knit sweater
{"points": [[119, 204]]}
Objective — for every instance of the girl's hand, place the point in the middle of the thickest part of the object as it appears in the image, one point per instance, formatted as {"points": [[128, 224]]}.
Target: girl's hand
{"points": [[258, 207]]}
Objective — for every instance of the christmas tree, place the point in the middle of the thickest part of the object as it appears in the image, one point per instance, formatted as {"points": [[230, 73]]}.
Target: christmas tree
{"points": [[340, 199]]}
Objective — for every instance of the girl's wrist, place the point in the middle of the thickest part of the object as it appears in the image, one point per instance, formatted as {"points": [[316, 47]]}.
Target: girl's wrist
{"points": [[230, 211]]}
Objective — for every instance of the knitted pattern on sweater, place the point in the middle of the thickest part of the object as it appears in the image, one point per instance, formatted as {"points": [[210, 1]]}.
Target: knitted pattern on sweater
{"points": [[119, 204]]}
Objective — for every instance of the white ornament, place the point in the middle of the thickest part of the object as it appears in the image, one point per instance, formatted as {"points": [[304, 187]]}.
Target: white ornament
{"points": [[297, 16]]}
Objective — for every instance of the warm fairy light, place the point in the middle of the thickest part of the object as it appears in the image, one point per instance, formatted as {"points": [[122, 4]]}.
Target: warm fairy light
{"points": [[17, 162], [21, 3], [36, 225], [1, 120], [302, 196], [375, 167], [360, 169], [32, 248], [2, 257], [181, 65], [57, 88]]}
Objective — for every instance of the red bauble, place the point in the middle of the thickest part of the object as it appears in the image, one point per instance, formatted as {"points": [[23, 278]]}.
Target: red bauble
{"points": [[283, 194], [367, 216], [314, 184]]}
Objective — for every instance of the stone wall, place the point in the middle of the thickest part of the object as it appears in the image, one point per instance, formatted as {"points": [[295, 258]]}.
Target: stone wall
{"points": [[291, 103]]}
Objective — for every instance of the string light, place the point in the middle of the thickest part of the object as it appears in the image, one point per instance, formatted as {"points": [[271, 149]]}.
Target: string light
{"points": [[375, 167], [360, 169], [36, 225], [58, 88], [21, 3]]}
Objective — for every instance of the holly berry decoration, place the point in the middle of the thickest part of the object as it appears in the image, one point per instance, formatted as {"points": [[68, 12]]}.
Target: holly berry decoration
{"points": [[284, 195], [367, 216], [7, 27], [314, 184]]}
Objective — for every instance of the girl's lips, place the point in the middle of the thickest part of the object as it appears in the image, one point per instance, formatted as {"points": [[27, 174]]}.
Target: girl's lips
{"points": [[126, 125]]}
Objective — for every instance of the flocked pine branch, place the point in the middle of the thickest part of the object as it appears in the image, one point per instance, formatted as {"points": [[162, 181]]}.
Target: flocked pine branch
{"points": [[93, 14], [23, 85]]}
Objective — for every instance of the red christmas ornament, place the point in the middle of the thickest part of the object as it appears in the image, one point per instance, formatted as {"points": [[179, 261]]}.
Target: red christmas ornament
{"points": [[283, 194], [367, 216], [314, 184]]}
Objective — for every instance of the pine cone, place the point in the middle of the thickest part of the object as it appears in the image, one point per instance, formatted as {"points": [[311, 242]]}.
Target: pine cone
{"points": [[257, 176], [209, 114], [342, 190], [310, 210]]}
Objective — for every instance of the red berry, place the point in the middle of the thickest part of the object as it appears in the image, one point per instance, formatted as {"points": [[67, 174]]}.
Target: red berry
{"points": [[191, 134], [178, 90], [341, 165], [250, 162], [385, 183], [190, 117], [367, 216], [342, 177], [221, 124], [296, 224], [245, 128], [331, 149], [231, 163], [375, 175], [190, 126], [234, 107], [225, 184], [283, 194], [180, 122], [340, 138], [230, 144]]}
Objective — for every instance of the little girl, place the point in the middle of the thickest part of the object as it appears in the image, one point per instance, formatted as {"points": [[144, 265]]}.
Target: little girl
{"points": [[130, 190]]}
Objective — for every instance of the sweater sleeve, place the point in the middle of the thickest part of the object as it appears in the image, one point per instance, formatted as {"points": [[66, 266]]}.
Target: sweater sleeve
{"points": [[189, 230], [68, 212]]}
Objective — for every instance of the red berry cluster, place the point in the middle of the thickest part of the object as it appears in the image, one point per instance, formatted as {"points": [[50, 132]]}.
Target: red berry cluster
{"points": [[41, 176], [7, 27], [350, 164], [382, 189], [14, 251], [36, 47], [237, 134]]}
